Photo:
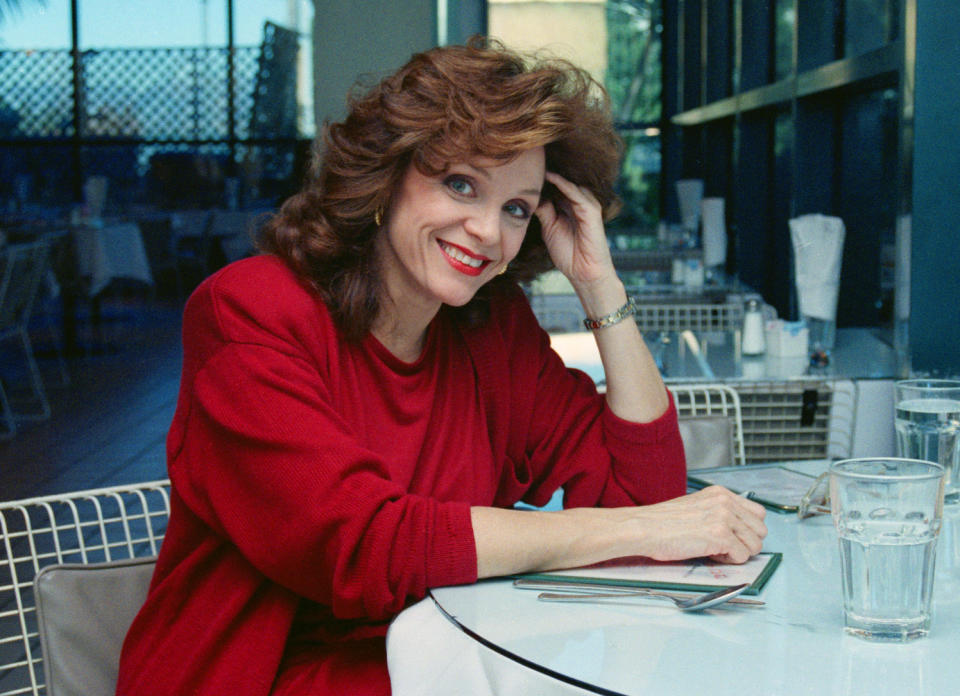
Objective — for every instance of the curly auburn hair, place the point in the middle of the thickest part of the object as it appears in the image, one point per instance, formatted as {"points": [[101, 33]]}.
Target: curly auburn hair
{"points": [[447, 105]]}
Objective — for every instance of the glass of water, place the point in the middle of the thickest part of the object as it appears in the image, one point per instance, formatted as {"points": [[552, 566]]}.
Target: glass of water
{"points": [[888, 513], [928, 426]]}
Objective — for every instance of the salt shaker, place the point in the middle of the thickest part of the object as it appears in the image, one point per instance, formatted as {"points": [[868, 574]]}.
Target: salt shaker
{"points": [[753, 340]]}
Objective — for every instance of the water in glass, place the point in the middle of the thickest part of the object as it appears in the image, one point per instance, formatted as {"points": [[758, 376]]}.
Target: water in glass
{"points": [[888, 513], [887, 579], [930, 429]]}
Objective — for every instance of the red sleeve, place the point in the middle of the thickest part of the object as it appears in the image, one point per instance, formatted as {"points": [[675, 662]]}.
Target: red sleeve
{"points": [[260, 455], [574, 441], [649, 462]]}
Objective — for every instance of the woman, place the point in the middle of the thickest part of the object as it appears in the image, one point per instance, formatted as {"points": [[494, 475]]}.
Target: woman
{"points": [[362, 405]]}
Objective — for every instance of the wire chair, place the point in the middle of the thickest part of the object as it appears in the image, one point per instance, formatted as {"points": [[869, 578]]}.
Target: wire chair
{"points": [[236, 231], [843, 419], [703, 401], [83, 527], [693, 316], [798, 419], [192, 245], [160, 243], [22, 267]]}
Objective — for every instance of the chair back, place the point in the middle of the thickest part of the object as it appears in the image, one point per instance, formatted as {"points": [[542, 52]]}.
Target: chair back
{"points": [[810, 418], [159, 241], [711, 424], [693, 316], [83, 615], [236, 231], [21, 270], [83, 528]]}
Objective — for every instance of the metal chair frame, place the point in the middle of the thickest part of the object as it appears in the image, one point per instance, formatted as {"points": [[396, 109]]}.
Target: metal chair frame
{"points": [[774, 423], [710, 400], [22, 267], [87, 527]]}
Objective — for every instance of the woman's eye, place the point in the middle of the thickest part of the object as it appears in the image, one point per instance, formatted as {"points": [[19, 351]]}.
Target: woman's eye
{"points": [[459, 185], [517, 210]]}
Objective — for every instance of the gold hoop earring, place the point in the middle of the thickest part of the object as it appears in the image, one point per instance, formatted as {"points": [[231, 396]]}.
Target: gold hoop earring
{"points": [[503, 270], [378, 217]]}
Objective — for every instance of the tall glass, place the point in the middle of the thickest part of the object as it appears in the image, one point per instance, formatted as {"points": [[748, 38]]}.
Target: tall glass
{"points": [[888, 514], [928, 426]]}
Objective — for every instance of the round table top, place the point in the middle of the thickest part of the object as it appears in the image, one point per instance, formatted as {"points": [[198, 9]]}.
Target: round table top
{"points": [[793, 645]]}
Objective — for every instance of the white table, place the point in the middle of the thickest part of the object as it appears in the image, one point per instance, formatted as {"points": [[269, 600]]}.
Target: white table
{"points": [[491, 638], [108, 252], [863, 370]]}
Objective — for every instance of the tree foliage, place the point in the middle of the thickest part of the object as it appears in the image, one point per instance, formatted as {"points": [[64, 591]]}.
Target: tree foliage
{"points": [[10, 7], [634, 29]]}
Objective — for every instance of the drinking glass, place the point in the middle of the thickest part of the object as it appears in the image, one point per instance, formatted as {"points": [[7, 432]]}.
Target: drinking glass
{"points": [[928, 426], [888, 513]]}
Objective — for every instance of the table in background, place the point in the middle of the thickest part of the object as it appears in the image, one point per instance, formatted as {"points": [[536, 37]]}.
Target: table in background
{"points": [[218, 236], [499, 640], [109, 253], [687, 356], [855, 392], [86, 261]]}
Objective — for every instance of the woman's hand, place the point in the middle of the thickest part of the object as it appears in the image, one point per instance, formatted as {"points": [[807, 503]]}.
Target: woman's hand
{"points": [[575, 235], [712, 522]]}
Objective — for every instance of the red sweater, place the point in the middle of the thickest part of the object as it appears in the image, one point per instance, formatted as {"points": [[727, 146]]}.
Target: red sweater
{"points": [[319, 487]]}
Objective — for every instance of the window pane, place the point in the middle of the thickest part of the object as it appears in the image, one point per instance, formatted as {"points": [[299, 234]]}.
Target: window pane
{"points": [[164, 111], [35, 26], [639, 187], [786, 21], [154, 23], [36, 78], [575, 30], [281, 29], [618, 41], [249, 17], [633, 72], [634, 30], [870, 24]]}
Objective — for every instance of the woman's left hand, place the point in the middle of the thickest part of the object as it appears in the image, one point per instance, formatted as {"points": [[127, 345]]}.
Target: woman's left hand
{"points": [[575, 236], [577, 242]]}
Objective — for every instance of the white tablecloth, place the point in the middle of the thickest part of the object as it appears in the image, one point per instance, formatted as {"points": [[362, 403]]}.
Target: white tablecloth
{"points": [[113, 251], [428, 656]]}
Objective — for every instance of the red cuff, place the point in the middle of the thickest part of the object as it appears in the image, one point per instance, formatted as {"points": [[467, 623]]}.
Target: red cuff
{"points": [[453, 552]]}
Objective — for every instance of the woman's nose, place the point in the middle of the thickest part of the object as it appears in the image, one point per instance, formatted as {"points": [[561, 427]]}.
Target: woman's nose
{"points": [[484, 225]]}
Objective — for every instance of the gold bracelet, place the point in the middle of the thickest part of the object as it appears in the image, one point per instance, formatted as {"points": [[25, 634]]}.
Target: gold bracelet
{"points": [[628, 310]]}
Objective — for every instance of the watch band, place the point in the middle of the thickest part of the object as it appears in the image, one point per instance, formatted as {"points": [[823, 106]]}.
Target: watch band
{"points": [[627, 310]]}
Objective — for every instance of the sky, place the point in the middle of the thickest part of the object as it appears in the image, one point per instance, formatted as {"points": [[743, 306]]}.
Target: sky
{"points": [[145, 23]]}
